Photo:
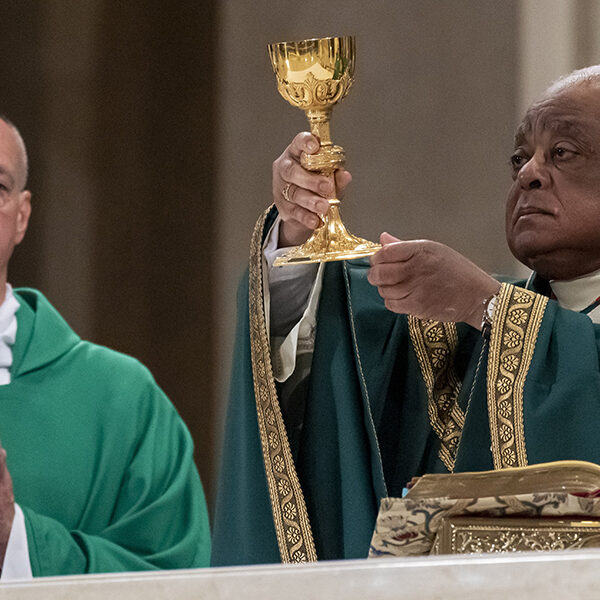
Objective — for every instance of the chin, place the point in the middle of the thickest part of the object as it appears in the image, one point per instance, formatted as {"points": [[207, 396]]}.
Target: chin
{"points": [[539, 258], [529, 250], [554, 258], [555, 265], [550, 271]]}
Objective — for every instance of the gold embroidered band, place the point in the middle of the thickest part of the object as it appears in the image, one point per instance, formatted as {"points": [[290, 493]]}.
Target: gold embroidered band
{"points": [[515, 327], [435, 344], [290, 517]]}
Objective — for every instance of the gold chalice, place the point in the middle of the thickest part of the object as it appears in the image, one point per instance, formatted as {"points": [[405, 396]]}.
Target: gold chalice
{"points": [[313, 75]]}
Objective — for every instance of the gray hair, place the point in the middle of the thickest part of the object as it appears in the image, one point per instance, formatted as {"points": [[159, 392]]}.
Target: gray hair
{"points": [[590, 75]]}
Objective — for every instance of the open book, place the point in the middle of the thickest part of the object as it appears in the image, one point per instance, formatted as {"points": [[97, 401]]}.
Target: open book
{"points": [[572, 476]]}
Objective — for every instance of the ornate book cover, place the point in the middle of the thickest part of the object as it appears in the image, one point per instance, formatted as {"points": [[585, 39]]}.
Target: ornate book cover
{"points": [[463, 535], [555, 504]]}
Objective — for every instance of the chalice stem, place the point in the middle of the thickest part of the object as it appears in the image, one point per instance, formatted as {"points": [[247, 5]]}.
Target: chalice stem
{"points": [[319, 125]]}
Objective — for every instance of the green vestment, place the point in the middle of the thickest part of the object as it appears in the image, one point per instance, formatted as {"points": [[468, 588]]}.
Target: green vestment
{"points": [[392, 397], [102, 465]]}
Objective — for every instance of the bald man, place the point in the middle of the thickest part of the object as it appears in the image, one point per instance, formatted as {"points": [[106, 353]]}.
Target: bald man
{"points": [[96, 466], [416, 361]]}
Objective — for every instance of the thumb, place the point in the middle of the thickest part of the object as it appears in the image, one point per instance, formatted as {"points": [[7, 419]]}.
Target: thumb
{"points": [[386, 238]]}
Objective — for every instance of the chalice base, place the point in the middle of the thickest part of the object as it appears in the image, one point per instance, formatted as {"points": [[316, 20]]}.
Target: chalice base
{"points": [[329, 242]]}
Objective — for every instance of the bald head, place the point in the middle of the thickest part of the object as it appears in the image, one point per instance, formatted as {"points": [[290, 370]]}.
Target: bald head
{"points": [[22, 172], [582, 82], [15, 201]]}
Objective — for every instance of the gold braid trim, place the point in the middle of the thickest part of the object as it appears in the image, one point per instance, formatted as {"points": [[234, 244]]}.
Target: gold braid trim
{"points": [[515, 327], [290, 516], [435, 343]]}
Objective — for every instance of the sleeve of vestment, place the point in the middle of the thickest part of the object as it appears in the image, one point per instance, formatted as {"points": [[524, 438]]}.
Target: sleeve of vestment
{"points": [[159, 518], [286, 295], [291, 299], [543, 381]]}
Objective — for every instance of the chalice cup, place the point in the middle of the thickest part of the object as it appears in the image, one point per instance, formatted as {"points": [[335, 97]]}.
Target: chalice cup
{"points": [[314, 75]]}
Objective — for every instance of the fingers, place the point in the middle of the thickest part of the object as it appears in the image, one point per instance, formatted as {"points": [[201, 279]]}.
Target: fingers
{"points": [[303, 142], [387, 238], [395, 283], [388, 274], [7, 504], [6, 491], [400, 297], [395, 250], [289, 170], [302, 207], [3, 467], [289, 175], [393, 269], [342, 180]]}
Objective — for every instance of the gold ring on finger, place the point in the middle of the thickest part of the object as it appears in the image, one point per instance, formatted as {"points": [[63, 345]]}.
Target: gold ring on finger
{"points": [[286, 191]]}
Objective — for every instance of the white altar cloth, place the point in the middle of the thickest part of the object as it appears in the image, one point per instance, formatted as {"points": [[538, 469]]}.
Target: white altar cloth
{"points": [[527, 576]]}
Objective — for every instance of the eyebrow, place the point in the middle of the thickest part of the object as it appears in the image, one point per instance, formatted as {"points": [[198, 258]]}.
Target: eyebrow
{"points": [[564, 126], [568, 127], [520, 133]]}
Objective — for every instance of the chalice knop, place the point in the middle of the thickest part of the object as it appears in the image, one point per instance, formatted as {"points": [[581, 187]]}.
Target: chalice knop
{"points": [[314, 75]]}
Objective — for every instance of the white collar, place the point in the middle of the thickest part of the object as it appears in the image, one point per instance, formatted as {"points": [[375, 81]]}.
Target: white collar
{"points": [[577, 294]]}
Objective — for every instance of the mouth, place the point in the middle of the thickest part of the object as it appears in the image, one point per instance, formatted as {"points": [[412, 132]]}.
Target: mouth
{"points": [[531, 211]]}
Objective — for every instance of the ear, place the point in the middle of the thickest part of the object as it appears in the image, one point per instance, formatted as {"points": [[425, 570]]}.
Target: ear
{"points": [[24, 211]]}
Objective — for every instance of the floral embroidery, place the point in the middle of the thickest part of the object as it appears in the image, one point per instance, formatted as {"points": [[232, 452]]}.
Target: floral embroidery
{"points": [[412, 527], [283, 487], [503, 385], [522, 297], [281, 477], [515, 327], [273, 440], [435, 334], [505, 433], [434, 343], [509, 456], [299, 556], [290, 511], [510, 362], [293, 535], [438, 357], [444, 403], [505, 409], [512, 339], [518, 316]]}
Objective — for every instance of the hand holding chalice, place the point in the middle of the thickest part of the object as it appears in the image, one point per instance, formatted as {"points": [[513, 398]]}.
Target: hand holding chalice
{"points": [[314, 75]]}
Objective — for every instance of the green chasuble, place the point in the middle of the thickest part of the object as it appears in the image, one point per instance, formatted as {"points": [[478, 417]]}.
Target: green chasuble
{"points": [[391, 397], [102, 465]]}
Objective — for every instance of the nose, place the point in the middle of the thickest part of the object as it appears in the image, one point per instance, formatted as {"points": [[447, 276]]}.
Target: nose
{"points": [[534, 173]]}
